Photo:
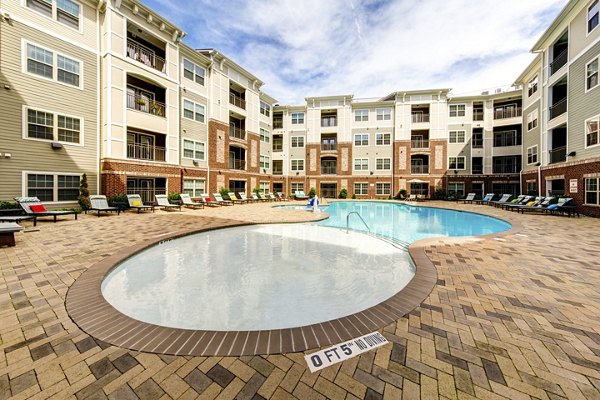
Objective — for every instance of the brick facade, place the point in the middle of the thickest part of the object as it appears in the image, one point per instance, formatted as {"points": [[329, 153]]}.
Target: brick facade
{"points": [[114, 174]]}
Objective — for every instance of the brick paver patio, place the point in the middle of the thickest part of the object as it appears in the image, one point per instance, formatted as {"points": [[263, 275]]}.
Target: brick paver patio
{"points": [[512, 317]]}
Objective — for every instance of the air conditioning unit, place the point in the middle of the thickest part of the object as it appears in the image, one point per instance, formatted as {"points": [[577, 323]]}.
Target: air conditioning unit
{"points": [[485, 93], [498, 90]]}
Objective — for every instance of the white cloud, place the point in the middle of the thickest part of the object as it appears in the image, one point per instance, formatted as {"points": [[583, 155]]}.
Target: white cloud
{"points": [[369, 48]]}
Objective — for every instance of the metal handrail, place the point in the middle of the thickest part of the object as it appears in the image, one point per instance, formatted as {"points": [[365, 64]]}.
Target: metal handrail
{"points": [[361, 218], [237, 101], [143, 54]]}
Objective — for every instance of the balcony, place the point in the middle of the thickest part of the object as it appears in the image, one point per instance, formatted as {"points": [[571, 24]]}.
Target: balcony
{"points": [[419, 143], [477, 114], [238, 164], [145, 55], [145, 152], [277, 123], [419, 117], [558, 62], [237, 133], [558, 155], [477, 170], [237, 101], [507, 112], [277, 145], [140, 102], [558, 108], [328, 122], [417, 169], [328, 168], [328, 146]]}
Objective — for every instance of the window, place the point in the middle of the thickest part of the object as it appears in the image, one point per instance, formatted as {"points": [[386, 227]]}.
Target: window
{"points": [[53, 187], [507, 138], [265, 135], [506, 164], [457, 136], [383, 188], [297, 141], [532, 86], [532, 120], [382, 139], [193, 72], [39, 61], [67, 70], [265, 109], [384, 114], [297, 187], [592, 192], [297, 118], [64, 11], [53, 127], [297, 165], [361, 164], [192, 149], [193, 111], [42, 62], [592, 18], [532, 154], [361, 115], [361, 188], [193, 187], [477, 139], [382, 164], [457, 110], [361, 139], [456, 162], [265, 162], [531, 187], [591, 131], [457, 189], [591, 74], [265, 187]]}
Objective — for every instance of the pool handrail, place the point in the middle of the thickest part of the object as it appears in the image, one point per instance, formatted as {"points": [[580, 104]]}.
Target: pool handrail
{"points": [[359, 216]]}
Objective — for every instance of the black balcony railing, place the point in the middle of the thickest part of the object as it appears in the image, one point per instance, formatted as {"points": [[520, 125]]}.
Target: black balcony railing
{"points": [[237, 101], [145, 152], [328, 121], [328, 169], [142, 103], [147, 195], [235, 163], [419, 143], [558, 62], [236, 132], [558, 154], [277, 146], [328, 146], [558, 108], [477, 115], [507, 112], [477, 142], [146, 56], [477, 170], [419, 169], [277, 123], [277, 171], [420, 117]]}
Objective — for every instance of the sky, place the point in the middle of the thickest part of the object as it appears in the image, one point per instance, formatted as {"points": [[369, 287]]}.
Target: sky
{"points": [[367, 48]]}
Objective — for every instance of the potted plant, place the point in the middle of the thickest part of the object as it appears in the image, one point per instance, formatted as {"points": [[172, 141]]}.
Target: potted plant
{"points": [[343, 194], [84, 194], [312, 193]]}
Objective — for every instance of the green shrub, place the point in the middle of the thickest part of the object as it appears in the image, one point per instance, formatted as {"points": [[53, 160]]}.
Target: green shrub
{"points": [[84, 194], [119, 198], [354, 196], [256, 190], [7, 205], [224, 193], [173, 197], [440, 194], [343, 194], [402, 194], [312, 193]]}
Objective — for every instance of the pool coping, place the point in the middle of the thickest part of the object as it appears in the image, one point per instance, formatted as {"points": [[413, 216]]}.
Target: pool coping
{"points": [[89, 310]]}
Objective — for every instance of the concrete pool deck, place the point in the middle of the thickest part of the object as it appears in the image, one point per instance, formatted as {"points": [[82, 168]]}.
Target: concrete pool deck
{"points": [[515, 316]]}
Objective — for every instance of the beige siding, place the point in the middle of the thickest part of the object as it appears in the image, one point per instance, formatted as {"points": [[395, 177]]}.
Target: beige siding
{"points": [[532, 137], [579, 38], [193, 130]]}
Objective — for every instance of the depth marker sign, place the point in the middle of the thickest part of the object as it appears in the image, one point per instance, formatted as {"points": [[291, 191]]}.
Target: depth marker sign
{"points": [[343, 351]]}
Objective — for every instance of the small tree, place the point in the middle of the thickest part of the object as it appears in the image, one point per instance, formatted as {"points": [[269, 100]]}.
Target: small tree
{"points": [[84, 194], [256, 190], [224, 193], [402, 194], [173, 197], [312, 193], [343, 194]]}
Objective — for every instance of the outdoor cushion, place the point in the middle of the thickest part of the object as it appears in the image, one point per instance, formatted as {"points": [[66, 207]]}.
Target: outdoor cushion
{"points": [[136, 203], [552, 207], [38, 208], [531, 203], [514, 201]]}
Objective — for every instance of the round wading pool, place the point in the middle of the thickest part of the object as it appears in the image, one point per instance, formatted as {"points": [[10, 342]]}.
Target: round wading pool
{"points": [[259, 277]]}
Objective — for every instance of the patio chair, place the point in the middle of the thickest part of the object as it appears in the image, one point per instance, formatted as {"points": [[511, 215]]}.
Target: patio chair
{"points": [[469, 199], [220, 200], [264, 197], [565, 205], [526, 201], [272, 197], [486, 199], [135, 202], [299, 195], [100, 204], [33, 206], [245, 198], [520, 201], [504, 199], [188, 203], [539, 206], [235, 200], [163, 202], [281, 196], [207, 201], [411, 197], [256, 197]]}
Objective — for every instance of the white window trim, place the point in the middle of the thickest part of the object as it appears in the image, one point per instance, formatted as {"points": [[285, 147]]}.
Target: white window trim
{"points": [[54, 17], [361, 117], [267, 135], [457, 132], [55, 55], [194, 72], [383, 184], [298, 123], [531, 119], [55, 127], [383, 114], [183, 100], [587, 10], [292, 141], [194, 142], [457, 105], [362, 169], [264, 159], [195, 180], [537, 155], [269, 109], [383, 169], [361, 183], [457, 157], [597, 191], [585, 77], [585, 132], [383, 133], [361, 145], [292, 163], [537, 85], [54, 188]]}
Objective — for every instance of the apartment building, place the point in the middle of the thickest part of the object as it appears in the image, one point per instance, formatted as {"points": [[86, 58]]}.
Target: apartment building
{"points": [[560, 88], [49, 91]]}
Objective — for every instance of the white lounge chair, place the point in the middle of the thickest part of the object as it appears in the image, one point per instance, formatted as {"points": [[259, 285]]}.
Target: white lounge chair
{"points": [[234, 198], [220, 200], [163, 202], [100, 204], [188, 203], [135, 202], [33, 206]]}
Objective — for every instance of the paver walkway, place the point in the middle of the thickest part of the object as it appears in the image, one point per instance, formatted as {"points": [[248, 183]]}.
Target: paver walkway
{"points": [[515, 317]]}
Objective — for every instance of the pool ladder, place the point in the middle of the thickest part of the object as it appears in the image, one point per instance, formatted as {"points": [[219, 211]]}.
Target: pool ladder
{"points": [[358, 215]]}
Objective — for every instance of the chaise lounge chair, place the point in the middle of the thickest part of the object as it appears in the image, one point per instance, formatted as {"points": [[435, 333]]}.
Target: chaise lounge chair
{"points": [[565, 205], [135, 202], [163, 202], [469, 199], [220, 200], [256, 197], [525, 201], [272, 197], [234, 198], [281, 196], [503, 200], [207, 201], [188, 203], [245, 198], [299, 195], [33, 206], [486, 199], [100, 204], [539, 206]]}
